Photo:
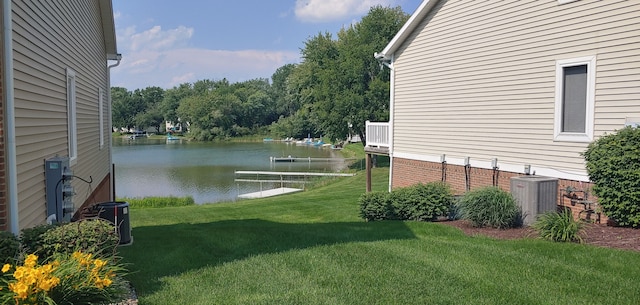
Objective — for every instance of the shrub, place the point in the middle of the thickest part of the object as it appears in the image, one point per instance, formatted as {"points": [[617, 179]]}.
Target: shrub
{"points": [[492, 207], [375, 206], [613, 164], [9, 247], [32, 240], [560, 227], [422, 202], [90, 236]]}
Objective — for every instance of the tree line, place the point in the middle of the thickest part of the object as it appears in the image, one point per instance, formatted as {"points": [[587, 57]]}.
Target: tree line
{"points": [[336, 87]]}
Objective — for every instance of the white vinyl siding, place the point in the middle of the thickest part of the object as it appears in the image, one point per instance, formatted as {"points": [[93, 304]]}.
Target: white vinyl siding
{"points": [[478, 79], [49, 37]]}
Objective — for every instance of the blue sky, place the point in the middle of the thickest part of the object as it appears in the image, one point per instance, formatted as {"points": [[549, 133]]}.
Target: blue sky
{"points": [[166, 43]]}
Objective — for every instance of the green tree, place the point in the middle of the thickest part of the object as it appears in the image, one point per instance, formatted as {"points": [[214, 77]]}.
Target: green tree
{"points": [[121, 108], [364, 91], [279, 91], [172, 99], [341, 79]]}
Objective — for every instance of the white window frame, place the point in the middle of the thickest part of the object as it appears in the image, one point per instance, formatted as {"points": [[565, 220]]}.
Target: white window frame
{"points": [[101, 116], [72, 130], [587, 136]]}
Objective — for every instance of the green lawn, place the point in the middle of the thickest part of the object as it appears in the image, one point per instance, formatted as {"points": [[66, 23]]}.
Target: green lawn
{"points": [[312, 248]]}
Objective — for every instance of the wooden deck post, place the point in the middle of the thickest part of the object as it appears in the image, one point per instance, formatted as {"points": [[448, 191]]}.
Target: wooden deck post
{"points": [[368, 166]]}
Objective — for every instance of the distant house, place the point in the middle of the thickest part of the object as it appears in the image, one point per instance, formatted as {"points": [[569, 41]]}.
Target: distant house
{"points": [[483, 91], [55, 102]]}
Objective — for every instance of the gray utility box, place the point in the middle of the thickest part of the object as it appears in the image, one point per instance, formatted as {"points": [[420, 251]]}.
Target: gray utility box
{"points": [[59, 191], [535, 195]]}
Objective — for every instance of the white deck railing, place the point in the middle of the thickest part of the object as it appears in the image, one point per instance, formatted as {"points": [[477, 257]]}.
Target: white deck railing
{"points": [[377, 134]]}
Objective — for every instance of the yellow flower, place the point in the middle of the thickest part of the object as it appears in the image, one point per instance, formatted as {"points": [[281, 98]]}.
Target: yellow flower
{"points": [[98, 263], [6, 268], [19, 273], [31, 260], [20, 289]]}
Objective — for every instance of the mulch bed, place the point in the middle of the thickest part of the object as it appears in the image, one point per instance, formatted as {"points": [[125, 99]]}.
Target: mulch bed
{"points": [[593, 234]]}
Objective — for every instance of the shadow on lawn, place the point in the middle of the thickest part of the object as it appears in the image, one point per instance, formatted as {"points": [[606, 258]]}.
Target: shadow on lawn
{"points": [[160, 251]]}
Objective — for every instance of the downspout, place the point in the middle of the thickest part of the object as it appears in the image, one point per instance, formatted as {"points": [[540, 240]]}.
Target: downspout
{"points": [[9, 119], [392, 98], [112, 196]]}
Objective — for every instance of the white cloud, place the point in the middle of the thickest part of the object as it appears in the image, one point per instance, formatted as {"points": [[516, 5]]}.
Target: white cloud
{"points": [[156, 57], [331, 10], [157, 39]]}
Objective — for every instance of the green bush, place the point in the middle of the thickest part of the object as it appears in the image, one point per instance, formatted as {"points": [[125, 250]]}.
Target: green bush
{"points": [[9, 247], [560, 227], [490, 207], [375, 206], [422, 202], [31, 239], [613, 164], [94, 236]]}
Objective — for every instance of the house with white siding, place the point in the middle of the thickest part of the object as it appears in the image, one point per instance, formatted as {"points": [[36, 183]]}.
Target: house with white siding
{"points": [[482, 91], [55, 102]]}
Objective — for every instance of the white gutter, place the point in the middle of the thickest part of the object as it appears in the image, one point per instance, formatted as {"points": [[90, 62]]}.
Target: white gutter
{"points": [[9, 119], [110, 122]]}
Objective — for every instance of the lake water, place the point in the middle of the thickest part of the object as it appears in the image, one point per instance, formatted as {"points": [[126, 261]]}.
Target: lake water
{"points": [[156, 167]]}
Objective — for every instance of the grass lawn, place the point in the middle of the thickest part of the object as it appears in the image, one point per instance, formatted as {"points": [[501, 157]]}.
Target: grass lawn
{"points": [[312, 248]]}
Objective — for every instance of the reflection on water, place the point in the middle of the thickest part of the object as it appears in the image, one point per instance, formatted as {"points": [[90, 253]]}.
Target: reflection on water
{"points": [[205, 171]]}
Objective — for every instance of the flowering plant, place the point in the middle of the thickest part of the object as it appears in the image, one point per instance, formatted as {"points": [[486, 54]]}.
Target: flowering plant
{"points": [[78, 278], [85, 279], [29, 283]]}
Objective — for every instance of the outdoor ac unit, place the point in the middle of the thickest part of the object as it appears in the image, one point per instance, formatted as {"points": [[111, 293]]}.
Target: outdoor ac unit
{"points": [[535, 195]]}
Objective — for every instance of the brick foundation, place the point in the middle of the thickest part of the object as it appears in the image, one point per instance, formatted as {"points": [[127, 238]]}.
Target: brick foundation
{"points": [[407, 172]]}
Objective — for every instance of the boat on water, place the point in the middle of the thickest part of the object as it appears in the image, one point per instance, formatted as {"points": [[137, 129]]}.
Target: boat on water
{"points": [[170, 137], [138, 134]]}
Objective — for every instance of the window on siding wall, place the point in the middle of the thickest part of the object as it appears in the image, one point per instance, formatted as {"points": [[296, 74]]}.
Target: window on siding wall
{"points": [[575, 94], [72, 131], [101, 115]]}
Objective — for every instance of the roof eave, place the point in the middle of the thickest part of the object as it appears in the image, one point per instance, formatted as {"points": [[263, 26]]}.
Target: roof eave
{"points": [[406, 30], [109, 29]]}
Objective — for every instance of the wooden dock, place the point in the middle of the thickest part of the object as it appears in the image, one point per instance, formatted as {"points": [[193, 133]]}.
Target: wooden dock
{"points": [[307, 159], [282, 178], [269, 193]]}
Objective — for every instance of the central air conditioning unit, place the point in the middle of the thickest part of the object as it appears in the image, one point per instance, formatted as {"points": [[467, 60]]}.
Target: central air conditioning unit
{"points": [[535, 195]]}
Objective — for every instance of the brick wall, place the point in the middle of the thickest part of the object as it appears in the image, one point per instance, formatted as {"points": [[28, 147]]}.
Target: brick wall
{"points": [[407, 172]]}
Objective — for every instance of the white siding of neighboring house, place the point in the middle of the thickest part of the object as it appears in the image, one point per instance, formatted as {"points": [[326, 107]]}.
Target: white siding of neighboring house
{"points": [[50, 37], [477, 79]]}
